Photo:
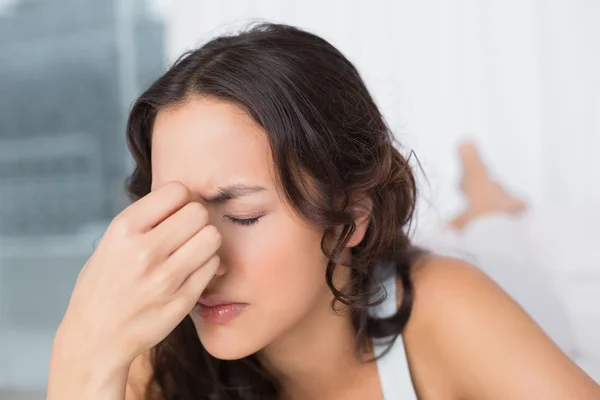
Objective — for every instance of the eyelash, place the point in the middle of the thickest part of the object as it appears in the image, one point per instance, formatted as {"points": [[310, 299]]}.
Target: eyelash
{"points": [[243, 221]]}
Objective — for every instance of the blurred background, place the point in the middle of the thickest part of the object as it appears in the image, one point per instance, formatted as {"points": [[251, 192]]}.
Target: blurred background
{"points": [[520, 77]]}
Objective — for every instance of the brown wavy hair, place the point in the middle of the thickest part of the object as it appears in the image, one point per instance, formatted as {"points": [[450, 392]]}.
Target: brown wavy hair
{"points": [[329, 142]]}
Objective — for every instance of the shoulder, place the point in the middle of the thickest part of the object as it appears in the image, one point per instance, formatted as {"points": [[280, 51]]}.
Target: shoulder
{"points": [[450, 289], [481, 340], [436, 277], [453, 298]]}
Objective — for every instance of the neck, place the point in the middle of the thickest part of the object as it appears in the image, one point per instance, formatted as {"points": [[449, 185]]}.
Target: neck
{"points": [[317, 358]]}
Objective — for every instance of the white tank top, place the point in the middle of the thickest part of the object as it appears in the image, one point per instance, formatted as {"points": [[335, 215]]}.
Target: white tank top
{"points": [[394, 374]]}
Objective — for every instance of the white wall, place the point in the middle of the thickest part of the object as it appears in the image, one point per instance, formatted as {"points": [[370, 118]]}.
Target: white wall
{"points": [[516, 75]]}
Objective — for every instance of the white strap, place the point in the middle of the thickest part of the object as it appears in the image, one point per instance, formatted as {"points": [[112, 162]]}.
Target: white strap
{"points": [[394, 373]]}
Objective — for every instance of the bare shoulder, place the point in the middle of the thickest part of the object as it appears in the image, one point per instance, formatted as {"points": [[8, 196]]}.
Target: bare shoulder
{"points": [[482, 341], [140, 374]]}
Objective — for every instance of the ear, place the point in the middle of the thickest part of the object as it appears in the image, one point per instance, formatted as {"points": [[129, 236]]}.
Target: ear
{"points": [[360, 208]]}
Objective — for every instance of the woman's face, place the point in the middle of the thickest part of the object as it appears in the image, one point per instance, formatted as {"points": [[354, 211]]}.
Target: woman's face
{"points": [[271, 261]]}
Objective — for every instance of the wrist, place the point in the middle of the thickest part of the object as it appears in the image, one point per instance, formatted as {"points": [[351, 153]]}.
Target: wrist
{"points": [[101, 349], [80, 371], [77, 378]]}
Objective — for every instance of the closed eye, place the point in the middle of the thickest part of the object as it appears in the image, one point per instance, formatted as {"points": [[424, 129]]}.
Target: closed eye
{"points": [[243, 221]]}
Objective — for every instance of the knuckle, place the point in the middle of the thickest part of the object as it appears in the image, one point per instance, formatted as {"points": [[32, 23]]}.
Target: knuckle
{"points": [[145, 257], [121, 225], [162, 281]]}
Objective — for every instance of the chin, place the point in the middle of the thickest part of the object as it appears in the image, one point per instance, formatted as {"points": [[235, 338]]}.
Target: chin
{"points": [[225, 342], [226, 354]]}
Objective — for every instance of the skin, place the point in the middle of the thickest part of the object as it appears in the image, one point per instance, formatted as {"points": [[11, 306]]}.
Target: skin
{"points": [[277, 254], [466, 339]]}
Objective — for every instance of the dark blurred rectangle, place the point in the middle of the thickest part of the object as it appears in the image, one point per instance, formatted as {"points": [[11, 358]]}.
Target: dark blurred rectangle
{"points": [[69, 71]]}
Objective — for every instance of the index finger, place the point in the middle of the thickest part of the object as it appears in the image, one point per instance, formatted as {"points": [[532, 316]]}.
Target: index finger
{"points": [[158, 205]]}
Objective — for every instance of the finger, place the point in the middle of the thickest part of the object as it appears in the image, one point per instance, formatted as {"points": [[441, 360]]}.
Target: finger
{"points": [[193, 254], [156, 206], [178, 228], [191, 289]]}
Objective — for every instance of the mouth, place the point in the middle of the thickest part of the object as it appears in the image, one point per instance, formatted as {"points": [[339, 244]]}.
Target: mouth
{"points": [[217, 310]]}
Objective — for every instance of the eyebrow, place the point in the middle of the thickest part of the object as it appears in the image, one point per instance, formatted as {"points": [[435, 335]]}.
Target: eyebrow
{"points": [[232, 192]]}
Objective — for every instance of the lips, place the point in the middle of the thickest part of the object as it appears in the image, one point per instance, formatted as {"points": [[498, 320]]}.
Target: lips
{"points": [[219, 310]]}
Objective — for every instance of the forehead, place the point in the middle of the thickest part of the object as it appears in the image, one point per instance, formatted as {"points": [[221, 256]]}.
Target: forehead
{"points": [[205, 143]]}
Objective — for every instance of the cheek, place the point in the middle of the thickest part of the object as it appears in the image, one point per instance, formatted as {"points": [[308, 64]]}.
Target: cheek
{"points": [[278, 268], [281, 261]]}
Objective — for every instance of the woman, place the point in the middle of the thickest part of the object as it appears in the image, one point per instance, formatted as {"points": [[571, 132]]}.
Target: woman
{"points": [[271, 216]]}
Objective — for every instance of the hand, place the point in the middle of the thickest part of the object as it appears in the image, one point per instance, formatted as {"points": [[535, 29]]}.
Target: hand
{"points": [[146, 275]]}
